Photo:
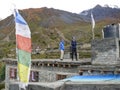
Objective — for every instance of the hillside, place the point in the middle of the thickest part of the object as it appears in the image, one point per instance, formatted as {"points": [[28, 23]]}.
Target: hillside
{"points": [[47, 26]]}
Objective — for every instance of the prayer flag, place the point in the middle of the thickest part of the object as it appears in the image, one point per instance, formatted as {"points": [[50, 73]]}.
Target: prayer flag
{"points": [[92, 21], [23, 45], [93, 25]]}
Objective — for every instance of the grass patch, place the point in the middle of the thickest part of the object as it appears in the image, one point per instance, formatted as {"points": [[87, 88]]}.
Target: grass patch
{"points": [[2, 86], [85, 55]]}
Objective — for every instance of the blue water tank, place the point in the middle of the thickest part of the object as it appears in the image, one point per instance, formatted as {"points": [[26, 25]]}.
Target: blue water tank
{"points": [[111, 31]]}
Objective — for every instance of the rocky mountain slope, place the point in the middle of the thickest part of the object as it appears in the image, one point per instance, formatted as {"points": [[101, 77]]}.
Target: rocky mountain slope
{"points": [[101, 13]]}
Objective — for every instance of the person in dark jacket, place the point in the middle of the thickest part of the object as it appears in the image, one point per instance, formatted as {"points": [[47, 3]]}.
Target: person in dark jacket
{"points": [[74, 49]]}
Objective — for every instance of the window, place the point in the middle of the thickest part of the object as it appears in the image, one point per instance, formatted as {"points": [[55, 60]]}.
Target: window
{"points": [[34, 76], [13, 73], [60, 76]]}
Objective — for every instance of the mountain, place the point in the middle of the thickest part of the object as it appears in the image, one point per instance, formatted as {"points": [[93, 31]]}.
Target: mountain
{"points": [[49, 25], [45, 18], [101, 13]]}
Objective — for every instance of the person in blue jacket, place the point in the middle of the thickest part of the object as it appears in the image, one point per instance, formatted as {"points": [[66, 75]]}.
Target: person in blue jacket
{"points": [[61, 47], [74, 49]]}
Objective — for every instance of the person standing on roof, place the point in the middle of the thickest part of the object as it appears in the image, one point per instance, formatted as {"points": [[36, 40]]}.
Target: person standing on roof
{"points": [[61, 47], [74, 48]]}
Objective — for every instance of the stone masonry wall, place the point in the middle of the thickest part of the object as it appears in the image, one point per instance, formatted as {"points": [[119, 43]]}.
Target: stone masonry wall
{"points": [[105, 51], [92, 87], [7, 77], [69, 87], [48, 74]]}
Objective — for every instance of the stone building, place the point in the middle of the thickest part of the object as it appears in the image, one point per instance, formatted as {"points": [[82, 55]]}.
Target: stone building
{"points": [[105, 53], [43, 70]]}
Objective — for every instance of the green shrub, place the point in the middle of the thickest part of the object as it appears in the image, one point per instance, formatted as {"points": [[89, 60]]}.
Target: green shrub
{"points": [[2, 86], [85, 55], [2, 71]]}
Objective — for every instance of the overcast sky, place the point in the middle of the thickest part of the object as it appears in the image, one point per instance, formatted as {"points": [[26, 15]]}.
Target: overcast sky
{"points": [[75, 6]]}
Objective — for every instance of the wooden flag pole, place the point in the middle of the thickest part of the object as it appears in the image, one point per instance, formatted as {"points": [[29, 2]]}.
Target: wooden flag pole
{"points": [[93, 35]]}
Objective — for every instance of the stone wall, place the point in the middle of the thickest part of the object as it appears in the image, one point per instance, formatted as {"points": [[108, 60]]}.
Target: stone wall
{"points": [[69, 86], [48, 74], [105, 51], [45, 70], [7, 77], [92, 87]]}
